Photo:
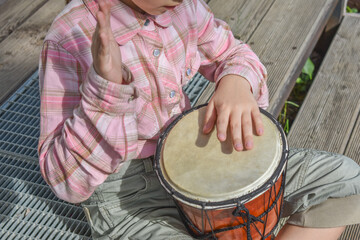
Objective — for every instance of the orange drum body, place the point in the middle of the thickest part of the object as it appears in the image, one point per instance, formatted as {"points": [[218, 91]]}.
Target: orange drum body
{"points": [[221, 193]]}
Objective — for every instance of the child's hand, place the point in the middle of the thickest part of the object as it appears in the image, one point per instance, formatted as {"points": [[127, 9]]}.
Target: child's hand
{"points": [[105, 50], [234, 106]]}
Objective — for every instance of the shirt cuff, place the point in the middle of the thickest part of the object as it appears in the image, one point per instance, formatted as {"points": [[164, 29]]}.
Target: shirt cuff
{"points": [[109, 96], [254, 81]]}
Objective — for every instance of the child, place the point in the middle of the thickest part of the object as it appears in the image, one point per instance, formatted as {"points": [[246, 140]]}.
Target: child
{"points": [[111, 81]]}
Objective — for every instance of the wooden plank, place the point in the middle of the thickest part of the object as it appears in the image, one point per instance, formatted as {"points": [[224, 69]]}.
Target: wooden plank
{"points": [[13, 13], [328, 114], [283, 39], [351, 233], [19, 53], [337, 15], [243, 16], [352, 150], [329, 118]]}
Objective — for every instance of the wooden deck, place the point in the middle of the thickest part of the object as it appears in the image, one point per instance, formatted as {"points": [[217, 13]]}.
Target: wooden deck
{"points": [[282, 32], [329, 118], [23, 26]]}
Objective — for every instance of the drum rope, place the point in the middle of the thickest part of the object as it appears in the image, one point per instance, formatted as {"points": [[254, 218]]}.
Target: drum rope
{"points": [[240, 211], [243, 212], [207, 216]]}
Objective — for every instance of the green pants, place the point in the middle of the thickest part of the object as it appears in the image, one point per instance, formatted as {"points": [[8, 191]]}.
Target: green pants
{"points": [[322, 190]]}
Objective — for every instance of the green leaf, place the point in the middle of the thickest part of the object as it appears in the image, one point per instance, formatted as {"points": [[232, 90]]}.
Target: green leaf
{"points": [[351, 10], [292, 103], [309, 68], [299, 81], [287, 127]]}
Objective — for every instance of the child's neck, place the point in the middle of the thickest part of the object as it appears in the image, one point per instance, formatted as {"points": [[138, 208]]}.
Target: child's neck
{"points": [[132, 5]]}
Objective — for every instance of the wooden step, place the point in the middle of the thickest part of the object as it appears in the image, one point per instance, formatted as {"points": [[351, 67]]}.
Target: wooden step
{"points": [[20, 50], [329, 118], [283, 34]]}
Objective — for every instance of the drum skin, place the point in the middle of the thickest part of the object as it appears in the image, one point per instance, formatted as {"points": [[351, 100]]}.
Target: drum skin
{"points": [[228, 195]]}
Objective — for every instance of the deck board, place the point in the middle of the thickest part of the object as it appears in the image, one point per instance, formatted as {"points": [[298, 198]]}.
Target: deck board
{"points": [[14, 12], [328, 114], [353, 151], [243, 16], [19, 52], [329, 118], [295, 25]]}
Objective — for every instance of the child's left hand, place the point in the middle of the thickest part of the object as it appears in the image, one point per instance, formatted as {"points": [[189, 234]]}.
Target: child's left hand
{"points": [[233, 105]]}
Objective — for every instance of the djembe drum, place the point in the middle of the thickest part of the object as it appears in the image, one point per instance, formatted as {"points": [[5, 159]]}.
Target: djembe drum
{"points": [[222, 193]]}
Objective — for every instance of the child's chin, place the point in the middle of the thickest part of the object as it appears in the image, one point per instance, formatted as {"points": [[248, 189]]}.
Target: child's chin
{"points": [[157, 11]]}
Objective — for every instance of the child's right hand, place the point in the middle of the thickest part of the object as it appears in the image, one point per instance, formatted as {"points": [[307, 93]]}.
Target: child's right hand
{"points": [[104, 48]]}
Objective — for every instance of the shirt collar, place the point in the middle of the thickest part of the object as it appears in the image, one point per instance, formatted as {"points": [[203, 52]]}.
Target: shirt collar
{"points": [[126, 22]]}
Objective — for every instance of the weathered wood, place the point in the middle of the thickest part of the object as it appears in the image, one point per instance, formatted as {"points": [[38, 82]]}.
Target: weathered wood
{"points": [[337, 15], [19, 53], [13, 13], [243, 16], [353, 147], [283, 39], [351, 233], [352, 150], [327, 116]]}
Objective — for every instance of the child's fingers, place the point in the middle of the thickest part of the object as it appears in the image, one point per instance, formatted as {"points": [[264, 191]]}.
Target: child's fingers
{"points": [[104, 6], [222, 123], [95, 41], [236, 132], [101, 21], [103, 16], [106, 10], [104, 46], [210, 118], [256, 116], [247, 130]]}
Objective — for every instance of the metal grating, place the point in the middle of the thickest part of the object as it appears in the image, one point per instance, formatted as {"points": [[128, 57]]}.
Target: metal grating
{"points": [[28, 208], [195, 88]]}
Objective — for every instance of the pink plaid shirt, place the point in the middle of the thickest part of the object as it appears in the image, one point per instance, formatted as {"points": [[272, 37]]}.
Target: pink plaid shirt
{"points": [[90, 126]]}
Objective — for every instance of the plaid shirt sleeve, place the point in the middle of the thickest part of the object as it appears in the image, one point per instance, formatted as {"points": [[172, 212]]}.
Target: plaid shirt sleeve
{"points": [[222, 54], [88, 125]]}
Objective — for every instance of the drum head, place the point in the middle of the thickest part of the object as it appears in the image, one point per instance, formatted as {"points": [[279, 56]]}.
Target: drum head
{"points": [[201, 168]]}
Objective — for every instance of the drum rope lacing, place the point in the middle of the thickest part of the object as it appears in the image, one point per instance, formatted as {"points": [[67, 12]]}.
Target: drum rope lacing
{"points": [[192, 229], [240, 211]]}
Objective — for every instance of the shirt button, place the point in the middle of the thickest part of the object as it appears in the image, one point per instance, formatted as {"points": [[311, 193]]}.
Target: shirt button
{"points": [[172, 94], [188, 71], [156, 52], [147, 22]]}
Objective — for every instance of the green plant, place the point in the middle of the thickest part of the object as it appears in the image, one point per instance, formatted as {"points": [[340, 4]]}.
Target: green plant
{"points": [[306, 76], [302, 85], [351, 10], [283, 117]]}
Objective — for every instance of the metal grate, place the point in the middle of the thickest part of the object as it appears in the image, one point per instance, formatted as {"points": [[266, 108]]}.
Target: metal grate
{"points": [[195, 88], [28, 208]]}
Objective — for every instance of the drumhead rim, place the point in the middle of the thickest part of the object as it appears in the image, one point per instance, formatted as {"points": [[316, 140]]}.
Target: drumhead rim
{"points": [[225, 203]]}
